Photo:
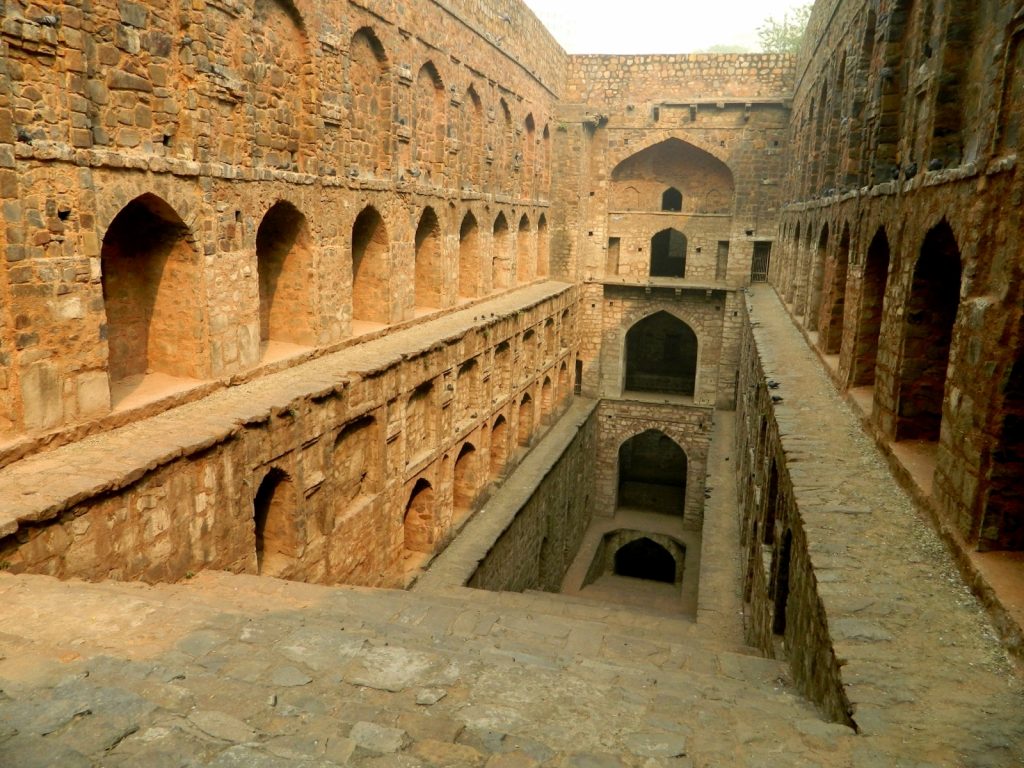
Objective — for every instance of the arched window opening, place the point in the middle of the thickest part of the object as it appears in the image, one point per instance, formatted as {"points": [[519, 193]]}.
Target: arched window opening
{"points": [[1002, 526], [672, 200], [646, 559], [428, 263], [869, 319], [501, 266], [661, 356], [524, 263], [469, 258], [668, 254], [499, 446], [816, 282], [150, 271], [543, 254], [370, 103], [371, 295], [467, 480], [929, 317], [652, 474], [419, 520], [834, 307], [276, 534], [525, 420], [284, 264]]}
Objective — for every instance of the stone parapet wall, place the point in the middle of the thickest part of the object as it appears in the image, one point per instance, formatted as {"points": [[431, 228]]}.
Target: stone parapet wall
{"points": [[345, 437]]}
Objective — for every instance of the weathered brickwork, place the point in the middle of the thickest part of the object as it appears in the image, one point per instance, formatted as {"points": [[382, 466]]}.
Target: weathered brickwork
{"points": [[539, 544], [901, 240], [257, 142], [619, 421], [331, 457]]}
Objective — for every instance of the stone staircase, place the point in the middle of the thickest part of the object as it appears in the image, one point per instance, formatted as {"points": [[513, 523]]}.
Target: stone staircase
{"points": [[228, 670]]}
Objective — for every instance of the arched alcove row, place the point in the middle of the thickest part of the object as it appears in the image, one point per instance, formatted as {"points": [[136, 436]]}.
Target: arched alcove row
{"points": [[151, 266]]}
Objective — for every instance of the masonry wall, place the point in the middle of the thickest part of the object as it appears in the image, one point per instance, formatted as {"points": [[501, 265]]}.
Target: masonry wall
{"points": [[774, 546], [348, 455], [902, 224], [538, 547], [689, 428], [208, 122]]}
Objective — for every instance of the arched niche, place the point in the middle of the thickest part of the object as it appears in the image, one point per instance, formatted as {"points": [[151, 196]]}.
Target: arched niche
{"points": [[661, 354], [671, 165], [652, 474]]}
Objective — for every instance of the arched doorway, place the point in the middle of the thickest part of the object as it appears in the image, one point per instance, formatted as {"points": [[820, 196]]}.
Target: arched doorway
{"points": [[869, 317], [645, 559], [150, 272], [661, 356], [284, 264], [525, 420], [418, 522], [276, 534], [466, 480], [652, 474], [929, 317], [668, 254]]}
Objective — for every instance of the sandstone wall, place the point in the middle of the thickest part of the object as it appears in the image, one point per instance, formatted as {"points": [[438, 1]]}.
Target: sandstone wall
{"points": [[333, 454], [223, 116], [539, 545], [901, 240]]}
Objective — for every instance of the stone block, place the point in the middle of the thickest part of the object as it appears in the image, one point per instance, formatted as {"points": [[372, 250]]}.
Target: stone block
{"points": [[41, 396]]}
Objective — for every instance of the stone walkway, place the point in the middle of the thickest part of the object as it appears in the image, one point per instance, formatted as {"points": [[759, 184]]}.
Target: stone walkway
{"points": [[920, 661]]}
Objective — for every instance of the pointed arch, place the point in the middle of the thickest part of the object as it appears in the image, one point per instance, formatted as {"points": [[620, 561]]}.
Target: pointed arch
{"points": [[525, 433], [472, 149], [429, 122], [529, 154], [929, 318], [833, 307], [672, 200], [499, 446], [543, 248], [419, 521], [466, 481], [275, 524], [871, 311], [816, 281], [652, 473], [661, 356], [501, 257]]}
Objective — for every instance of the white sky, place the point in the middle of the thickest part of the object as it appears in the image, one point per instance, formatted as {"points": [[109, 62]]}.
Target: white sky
{"points": [[655, 26]]}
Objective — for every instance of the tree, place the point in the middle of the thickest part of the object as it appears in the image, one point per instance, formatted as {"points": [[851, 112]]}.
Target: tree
{"points": [[725, 48], [784, 36]]}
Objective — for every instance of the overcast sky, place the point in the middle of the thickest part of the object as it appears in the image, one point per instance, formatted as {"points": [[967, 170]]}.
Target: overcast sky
{"points": [[655, 26]]}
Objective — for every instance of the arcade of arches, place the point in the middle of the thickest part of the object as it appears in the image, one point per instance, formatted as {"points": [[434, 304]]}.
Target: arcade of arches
{"points": [[295, 290]]}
